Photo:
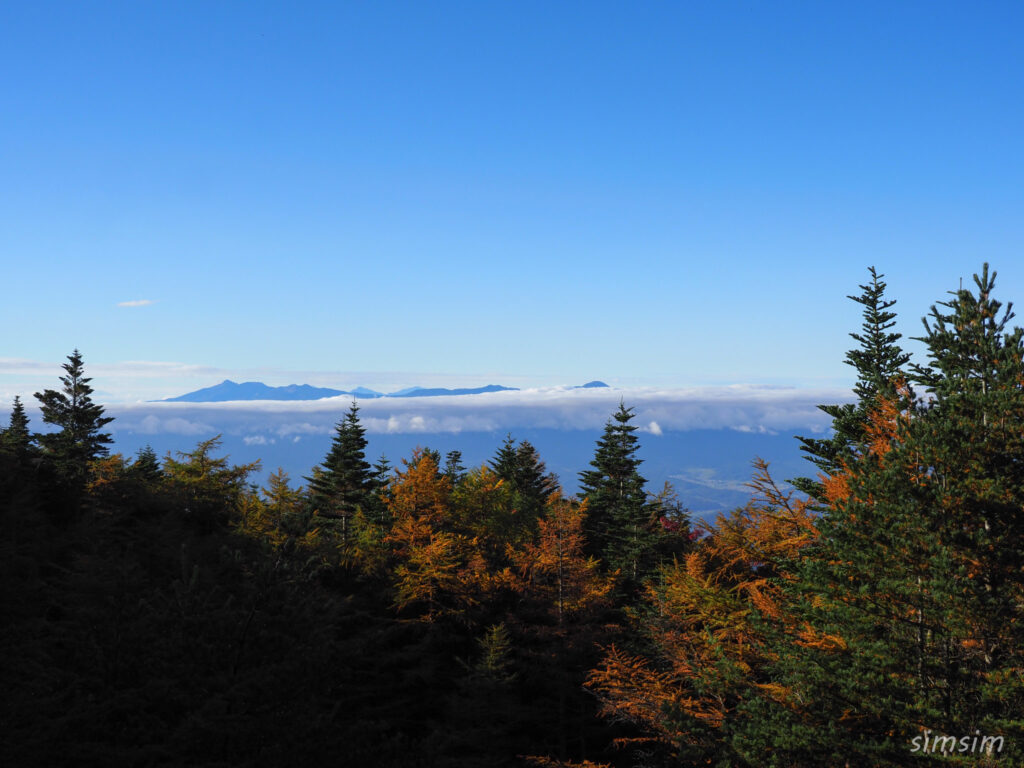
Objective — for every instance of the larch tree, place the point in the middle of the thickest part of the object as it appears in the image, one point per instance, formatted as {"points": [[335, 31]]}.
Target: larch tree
{"points": [[555, 569], [706, 624], [209, 489], [430, 557]]}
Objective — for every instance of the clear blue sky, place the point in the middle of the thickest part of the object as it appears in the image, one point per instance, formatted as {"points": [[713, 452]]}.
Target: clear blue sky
{"points": [[669, 193]]}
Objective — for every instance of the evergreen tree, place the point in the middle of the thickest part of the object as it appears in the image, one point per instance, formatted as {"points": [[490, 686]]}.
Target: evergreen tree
{"points": [[377, 506], [382, 472], [879, 362], [504, 461], [671, 522], [521, 467], [344, 482], [533, 482], [147, 465], [916, 566], [16, 438], [619, 526], [78, 440], [454, 469], [209, 489]]}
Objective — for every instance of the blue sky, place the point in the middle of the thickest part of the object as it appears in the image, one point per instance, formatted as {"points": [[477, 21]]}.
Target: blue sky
{"points": [[388, 194]]}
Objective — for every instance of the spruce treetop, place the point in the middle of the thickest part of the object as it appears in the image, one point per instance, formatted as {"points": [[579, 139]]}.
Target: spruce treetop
{"points": [[345, 479], [80, 421], [880, 364], [879, 361], [17, 438]]}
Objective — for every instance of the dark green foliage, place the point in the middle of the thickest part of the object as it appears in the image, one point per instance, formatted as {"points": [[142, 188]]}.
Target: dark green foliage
{"points": [[17, 439], [186, 618], [504, 461], [148, 642], [147, 465], [520, 466], [207, 489], [344, 482], [382, 472], [671, 521], [879, 362], [454, 469], [917, 567], [79, 421], [619, 527]]}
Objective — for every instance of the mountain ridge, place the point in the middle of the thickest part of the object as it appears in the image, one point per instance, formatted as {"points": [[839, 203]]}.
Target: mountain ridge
{"points": [[229, 390]]}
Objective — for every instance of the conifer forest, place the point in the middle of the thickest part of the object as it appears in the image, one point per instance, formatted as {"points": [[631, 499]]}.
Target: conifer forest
{"points": [[169, 611]]}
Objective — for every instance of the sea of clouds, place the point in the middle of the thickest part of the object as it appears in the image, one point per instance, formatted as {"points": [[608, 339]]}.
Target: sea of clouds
{"points": [[745, 408]]}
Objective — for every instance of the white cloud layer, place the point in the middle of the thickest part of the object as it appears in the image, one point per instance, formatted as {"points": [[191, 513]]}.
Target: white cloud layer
{"points": [[136, 303], [743, 408]]}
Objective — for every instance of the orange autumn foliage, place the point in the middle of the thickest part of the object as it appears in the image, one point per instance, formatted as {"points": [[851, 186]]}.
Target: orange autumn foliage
{"points": [[554, 568], [884, 423], [442, 566], [707, 623]]}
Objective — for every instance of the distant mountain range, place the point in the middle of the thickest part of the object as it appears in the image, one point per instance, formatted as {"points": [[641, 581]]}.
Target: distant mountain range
{"points": [[257, 390]]}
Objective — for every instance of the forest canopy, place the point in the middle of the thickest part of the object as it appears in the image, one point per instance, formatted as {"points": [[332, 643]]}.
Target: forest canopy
{"points": [[167, 610]]}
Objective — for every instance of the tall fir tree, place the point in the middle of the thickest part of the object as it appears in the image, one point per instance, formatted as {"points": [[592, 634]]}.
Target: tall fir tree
{"points": [[619, 527], [17, 439], [345, 481], [880, 365], [147, 465], [916, 566], [504, 460], [521, 467], [454, 469], [79, 439]]}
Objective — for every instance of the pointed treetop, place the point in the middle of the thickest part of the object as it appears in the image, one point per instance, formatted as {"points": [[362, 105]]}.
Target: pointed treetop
{"points": [[79, 439], [17, 437], [879, 361]]}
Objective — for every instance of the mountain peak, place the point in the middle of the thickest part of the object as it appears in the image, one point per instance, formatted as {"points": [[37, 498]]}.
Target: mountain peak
{"points": [[254, 390], [257, 390]]}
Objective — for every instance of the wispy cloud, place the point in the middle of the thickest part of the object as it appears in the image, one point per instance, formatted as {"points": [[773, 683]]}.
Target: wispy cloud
{"points": [[258, 440], [136, 303]]}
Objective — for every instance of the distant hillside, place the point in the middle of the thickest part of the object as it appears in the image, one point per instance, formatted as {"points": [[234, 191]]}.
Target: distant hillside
{"points": [[365, 393], [254, 390], [708, 467]]}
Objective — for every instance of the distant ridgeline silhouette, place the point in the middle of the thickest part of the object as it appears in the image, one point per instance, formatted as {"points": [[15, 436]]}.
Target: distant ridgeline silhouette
{"points": [[257, 390]]}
